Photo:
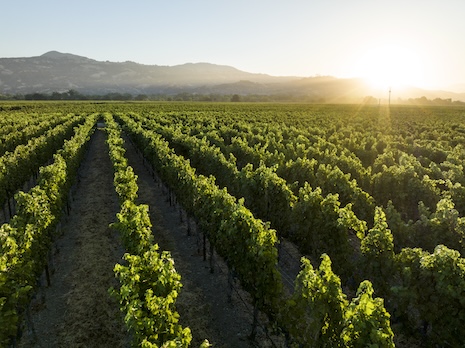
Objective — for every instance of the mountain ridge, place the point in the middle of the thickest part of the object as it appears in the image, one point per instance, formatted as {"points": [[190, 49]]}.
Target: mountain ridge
{"points": [[55, 71], [60, 55]]}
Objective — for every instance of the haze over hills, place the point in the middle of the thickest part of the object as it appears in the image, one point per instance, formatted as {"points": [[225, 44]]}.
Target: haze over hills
{"points": [[59, 72]]}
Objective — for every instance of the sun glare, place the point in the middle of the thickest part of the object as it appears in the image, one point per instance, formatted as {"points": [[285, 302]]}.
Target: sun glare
{"points": [[391, 66]]}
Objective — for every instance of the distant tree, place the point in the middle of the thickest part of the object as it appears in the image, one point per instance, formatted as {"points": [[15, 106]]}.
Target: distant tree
{"points": [[36, 96], [73, 94], [117, 96], [235, 98], [56, 96], [183, 97], [141, 97]]}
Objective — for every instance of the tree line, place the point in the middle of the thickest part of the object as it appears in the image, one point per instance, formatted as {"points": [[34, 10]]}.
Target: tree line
{"points": [[214, 97]]}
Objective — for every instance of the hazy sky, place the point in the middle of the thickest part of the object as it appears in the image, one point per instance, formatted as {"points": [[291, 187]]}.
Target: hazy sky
{"points": [[420, 42]]}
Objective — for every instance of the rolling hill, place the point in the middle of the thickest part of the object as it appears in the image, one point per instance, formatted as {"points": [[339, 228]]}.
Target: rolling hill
{"points": [[59, 72]]}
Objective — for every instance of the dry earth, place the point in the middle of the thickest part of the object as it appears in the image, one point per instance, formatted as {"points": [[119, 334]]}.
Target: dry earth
{"points": [[76, 310]]}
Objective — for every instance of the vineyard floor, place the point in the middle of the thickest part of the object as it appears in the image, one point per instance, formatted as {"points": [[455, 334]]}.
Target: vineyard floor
{"points": [[76, 310]]}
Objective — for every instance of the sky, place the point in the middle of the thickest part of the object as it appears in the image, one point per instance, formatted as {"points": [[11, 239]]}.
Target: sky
{"points": [[411, 42]]}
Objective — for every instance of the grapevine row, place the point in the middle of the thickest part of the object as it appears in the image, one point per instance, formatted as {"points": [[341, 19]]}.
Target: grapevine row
{"points": [[269, 197], [326, 166], [22, 131], [149, 281], [249, 248], [410, 161], [377, 260], [19, 166], [25, 241]]}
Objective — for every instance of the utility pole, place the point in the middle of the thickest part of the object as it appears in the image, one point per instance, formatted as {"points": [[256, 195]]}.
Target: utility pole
{"points": [[389, 100]]}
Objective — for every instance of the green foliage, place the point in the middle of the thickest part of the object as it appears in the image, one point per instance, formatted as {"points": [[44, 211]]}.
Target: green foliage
{"points": [[359, 158], [134, 226], [377, 248], [408, 161], [25, 240], [148, 292], [315, 313], [444, 226], [266, 194], [17, 166], [149, 282], [433, 285], [404, 184], [321, 226], [125, 184], [319, 315], [246, 243], [366, 321]]}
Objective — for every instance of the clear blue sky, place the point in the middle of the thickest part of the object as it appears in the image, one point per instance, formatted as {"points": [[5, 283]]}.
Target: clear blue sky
{"points": [[420, 42]]}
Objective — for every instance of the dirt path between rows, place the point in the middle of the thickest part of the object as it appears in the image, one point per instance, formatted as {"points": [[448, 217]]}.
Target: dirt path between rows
{"points": [[76, 310], [203, 301]]}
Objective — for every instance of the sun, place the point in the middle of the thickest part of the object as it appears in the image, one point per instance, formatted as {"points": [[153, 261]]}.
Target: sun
{"points": [[385, 66]]}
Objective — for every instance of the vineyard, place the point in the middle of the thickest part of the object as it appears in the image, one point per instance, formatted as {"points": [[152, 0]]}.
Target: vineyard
{"points": [[302, 225]]}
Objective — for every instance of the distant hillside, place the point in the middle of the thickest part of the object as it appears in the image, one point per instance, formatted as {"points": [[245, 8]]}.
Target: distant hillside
{"points": [[60, 72], [55, 71]]}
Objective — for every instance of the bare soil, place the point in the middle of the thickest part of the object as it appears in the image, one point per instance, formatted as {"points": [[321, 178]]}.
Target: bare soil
{"points": [[76, 309]]}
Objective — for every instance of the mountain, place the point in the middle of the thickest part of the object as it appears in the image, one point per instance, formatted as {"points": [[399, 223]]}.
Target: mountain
{"points": [[59, 72], [55, 71]]}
